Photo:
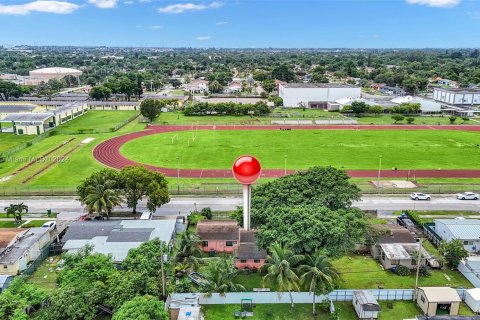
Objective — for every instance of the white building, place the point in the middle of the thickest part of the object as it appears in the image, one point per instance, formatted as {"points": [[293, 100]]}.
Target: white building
{"points": [[117, 237], [315, 95], [465, 230], [365, 304], [462, 96], [45, 74]]}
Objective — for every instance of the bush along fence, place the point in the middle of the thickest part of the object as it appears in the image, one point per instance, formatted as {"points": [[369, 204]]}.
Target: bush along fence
{"points": [[298, 297]]}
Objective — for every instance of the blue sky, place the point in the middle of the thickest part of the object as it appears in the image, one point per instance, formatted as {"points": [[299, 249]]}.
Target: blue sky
{"points": [[243, 23]]}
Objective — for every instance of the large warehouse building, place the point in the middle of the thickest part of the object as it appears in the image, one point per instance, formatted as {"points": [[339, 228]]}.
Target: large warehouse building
{"points": [[45, 74], [315, 95]]}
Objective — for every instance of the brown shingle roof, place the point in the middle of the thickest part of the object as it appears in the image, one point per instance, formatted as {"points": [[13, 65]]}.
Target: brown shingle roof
{"points": [[218, 230], [394, 234], [250, 251], [247, 236]]}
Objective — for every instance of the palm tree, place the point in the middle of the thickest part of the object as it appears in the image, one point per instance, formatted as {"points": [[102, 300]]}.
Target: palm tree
{"points": [[102, 196], [220, 278], [11, 210], [280, 265], [318, 274], [188, 249]]}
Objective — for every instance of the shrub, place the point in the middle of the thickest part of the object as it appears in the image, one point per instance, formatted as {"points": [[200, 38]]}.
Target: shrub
{"points": [[452, 119], [410, 120], [465, 119], [397, 118], [207, 213], [423, 271], [194, 217], [402, 271]]}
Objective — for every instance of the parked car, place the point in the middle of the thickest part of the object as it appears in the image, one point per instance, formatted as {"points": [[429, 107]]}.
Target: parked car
{"points": [[420, 196], [468, 196], [50, 225]]}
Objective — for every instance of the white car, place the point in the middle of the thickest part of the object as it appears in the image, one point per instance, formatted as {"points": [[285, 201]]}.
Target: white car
{"points": [[50, 225], [420, 196], [468, 196]]}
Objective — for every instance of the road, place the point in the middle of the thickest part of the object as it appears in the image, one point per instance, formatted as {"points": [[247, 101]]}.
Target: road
{"points": [[185, 205]]}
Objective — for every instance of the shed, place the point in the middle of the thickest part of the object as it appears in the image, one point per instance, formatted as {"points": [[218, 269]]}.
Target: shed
{"points": [[438, 301], [365, 304], [5, 281], [472, 299]]}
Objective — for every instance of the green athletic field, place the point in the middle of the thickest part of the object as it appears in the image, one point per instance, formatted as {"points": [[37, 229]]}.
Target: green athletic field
{"points": [[9, 140], [99, 120], [426, 149]]}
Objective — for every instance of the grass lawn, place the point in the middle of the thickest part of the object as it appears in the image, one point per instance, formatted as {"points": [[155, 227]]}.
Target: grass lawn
{"points": [[10, 140], [395, 310], [34, 223], [46, 276], [359, 272], [98, 120], [306, 148], [9, 224], [261, 311], [253, 280]]}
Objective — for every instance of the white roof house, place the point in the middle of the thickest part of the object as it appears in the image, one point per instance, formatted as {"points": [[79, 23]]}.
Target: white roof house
{"points": [[117, 237], [465, 230]]}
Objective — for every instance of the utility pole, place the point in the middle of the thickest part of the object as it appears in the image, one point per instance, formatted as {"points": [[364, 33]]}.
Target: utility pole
{"points": [[419, 259], [178, 175], [162, 270], [285, 164]]}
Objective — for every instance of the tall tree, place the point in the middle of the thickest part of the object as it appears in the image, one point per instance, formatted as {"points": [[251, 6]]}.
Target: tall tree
{"points": [[283, 73], [318, 274], [100, 93], [280, 265], [9, 90], [215, 87], [102, 196], [138, 182], [150, 109], [453, 252]]}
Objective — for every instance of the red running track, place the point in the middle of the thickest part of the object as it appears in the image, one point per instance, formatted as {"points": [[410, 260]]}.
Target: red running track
{"points": [[108, 152]]}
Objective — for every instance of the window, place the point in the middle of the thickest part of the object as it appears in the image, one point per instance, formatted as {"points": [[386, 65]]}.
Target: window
{"points": [[231, 243], [394, 262], [422, 298], [205, 243], [5, 266], [467, 243], [256, 260], [243, 261]]}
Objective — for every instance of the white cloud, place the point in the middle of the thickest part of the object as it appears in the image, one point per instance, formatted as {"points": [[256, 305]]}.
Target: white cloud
{"points": [[188, 7], [104, 4], [436, 3], [57, 7], [202, 38], [222, 23], [144, 1], [128, 2], [156, 27]]}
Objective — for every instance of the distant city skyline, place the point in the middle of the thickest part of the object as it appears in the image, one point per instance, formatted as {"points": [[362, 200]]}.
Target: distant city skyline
{"points": [[242, 23]]}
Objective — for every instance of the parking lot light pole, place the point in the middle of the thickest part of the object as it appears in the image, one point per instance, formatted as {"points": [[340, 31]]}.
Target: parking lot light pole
{"points": [[178, 175], [379, 170]]}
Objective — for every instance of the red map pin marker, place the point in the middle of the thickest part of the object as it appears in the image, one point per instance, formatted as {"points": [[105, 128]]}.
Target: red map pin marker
{"points": [[246, 169]]}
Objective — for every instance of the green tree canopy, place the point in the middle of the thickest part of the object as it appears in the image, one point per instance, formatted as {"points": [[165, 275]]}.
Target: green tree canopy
{"points": [[150, 109], [142, 308]]}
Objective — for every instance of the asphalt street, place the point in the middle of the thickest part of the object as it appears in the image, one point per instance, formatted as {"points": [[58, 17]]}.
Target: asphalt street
{"points": [[184, 205]]}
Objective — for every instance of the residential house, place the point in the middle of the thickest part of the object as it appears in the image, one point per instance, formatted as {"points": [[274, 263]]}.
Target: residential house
{"points": [[20, 247], [117, 237], [392, 90], [365, 304], [218, 236], [405, 254], [438, 301], [388, 234], [233, 87], [248, 255], [5, 281], [198, 86], [447, 83], [465, 230], [377, 86]]}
